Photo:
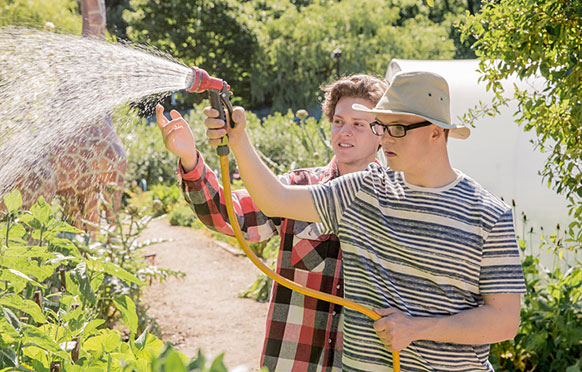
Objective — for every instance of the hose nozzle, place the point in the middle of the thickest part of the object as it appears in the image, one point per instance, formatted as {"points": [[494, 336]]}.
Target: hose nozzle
{"points": [[200, 81]]}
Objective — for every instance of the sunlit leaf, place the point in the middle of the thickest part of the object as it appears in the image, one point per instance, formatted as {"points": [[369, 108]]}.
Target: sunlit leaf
{"points": [[113, 269], [13, 200], [126, 306], [41, 211], [16, 302]]}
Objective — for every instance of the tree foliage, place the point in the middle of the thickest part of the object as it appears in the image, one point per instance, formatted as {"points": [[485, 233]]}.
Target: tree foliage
{"points": [[208, 34], [298, 46], [527, 39], [63, 15], [277, 53]]}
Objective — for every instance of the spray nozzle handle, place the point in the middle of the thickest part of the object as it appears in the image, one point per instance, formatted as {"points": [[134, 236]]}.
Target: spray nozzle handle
{"points": [[219, 100]]}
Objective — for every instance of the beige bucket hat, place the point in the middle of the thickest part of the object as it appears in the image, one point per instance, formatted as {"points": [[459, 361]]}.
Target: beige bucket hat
{"points": [[423, 94]]}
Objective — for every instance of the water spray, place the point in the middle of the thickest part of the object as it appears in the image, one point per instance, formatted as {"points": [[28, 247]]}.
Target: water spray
{"points": [[219, 94]]}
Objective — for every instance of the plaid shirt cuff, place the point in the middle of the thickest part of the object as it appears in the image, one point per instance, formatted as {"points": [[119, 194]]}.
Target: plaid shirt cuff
{"points": [[195, 175]]}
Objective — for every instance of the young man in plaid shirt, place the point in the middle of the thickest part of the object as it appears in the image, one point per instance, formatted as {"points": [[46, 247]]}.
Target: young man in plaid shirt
{"points": [[302, 333]]}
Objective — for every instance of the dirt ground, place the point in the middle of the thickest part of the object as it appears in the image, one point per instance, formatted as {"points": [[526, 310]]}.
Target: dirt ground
{"points": [[202, 310]]}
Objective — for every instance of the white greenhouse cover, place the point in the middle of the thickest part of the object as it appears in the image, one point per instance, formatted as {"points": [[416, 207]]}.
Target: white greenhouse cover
{"points": [[498, 154]]}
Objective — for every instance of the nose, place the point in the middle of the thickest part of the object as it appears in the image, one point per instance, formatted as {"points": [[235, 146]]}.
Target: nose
{"points": [[387, 138], [346, 129]]}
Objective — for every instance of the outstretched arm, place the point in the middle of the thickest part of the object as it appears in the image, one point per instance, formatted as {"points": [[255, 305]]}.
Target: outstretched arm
{"points": [[271, 196], [497, 320], [202, 190]]}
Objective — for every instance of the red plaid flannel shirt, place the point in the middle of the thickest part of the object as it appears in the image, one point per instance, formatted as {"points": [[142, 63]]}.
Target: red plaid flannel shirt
{"points": [[302, 333]]}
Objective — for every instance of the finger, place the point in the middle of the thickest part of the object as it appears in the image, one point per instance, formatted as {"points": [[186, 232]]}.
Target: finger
{"points": [[175, 115], [379, 325], [214, 123], [215, 133], [214, 142], [160, 118], [210, 112], [238, 115]]}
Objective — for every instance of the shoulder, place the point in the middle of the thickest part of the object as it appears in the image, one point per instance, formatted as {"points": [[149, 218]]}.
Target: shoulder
{"points": [[371, 180], [482, 198]]}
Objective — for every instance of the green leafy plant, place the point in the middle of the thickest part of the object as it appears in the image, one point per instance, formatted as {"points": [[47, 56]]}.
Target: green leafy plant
{"points": [[121, 245], [52, 291], [550, 331], [56, 15], [182, 216], [168, 198], [532, 39]]}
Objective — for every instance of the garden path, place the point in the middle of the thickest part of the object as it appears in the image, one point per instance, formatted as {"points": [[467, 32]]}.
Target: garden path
{"points": [[202, 310]]}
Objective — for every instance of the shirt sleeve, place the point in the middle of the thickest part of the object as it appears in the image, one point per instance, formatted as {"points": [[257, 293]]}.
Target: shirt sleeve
{"points": [[205, 196], [501, 270], [332, 199]]}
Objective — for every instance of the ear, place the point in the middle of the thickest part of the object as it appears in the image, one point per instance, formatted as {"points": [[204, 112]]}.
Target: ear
{"points": [[437, 133]]}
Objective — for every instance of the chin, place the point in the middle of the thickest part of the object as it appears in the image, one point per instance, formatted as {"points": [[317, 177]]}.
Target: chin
{"points": [[394, 166]]}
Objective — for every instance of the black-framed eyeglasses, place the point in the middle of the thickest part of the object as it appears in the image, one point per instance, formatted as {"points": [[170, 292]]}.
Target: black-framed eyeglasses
{"points": [[395, 130]]}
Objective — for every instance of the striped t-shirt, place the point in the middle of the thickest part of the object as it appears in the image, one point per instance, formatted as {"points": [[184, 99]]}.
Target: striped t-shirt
{"points": [[425, 251]]}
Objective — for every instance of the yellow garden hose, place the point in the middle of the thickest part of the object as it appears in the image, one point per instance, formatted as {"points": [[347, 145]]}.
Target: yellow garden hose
{"points": [[224, 169]]}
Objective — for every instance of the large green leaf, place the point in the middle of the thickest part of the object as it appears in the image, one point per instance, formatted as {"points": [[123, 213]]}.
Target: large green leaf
{"points": [[126, 307], [114, 270], [81, 279], [35, 337], [41, 211], [16, 302], [173, 362], [148, 346], [28, 267], [13, 200], [32, 251], [12, 319], [91, 326], [8, 334], [16, 233], [16, 278]]}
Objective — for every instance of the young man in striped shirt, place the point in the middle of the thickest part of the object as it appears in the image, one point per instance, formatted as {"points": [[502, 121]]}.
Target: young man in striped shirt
{"points": [[423, 244], [302, 333]]}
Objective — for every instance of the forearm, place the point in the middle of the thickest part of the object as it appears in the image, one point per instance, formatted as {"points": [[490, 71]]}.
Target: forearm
{"points": [[486, 324], [270, 195], [205, 196]]}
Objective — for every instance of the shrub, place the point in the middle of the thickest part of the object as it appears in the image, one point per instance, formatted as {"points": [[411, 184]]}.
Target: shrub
{"points": [[550, 332], [53, 292], [182, 216]]}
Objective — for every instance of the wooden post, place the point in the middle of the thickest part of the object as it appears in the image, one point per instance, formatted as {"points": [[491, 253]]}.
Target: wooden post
{"points": [[63, 279], [152, 259], [55, 367], [76, 350], [37, 296]]}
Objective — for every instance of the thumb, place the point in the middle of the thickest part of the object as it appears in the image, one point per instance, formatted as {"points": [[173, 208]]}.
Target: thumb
{"points": [[385, 312], [238, 115]]}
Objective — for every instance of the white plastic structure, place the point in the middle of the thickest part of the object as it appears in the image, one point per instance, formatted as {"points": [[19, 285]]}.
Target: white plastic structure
{"points": [[498, 154]]}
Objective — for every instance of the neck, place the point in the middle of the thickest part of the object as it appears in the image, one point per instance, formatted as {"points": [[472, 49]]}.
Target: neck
{"points": [[347, 168], [434, 173]]}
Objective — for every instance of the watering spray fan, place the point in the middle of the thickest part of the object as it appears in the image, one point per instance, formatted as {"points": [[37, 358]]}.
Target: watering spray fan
{"points": [[199, 81]]}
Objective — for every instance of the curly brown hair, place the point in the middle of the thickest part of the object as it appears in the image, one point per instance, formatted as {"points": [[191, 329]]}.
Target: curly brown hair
{"points": [[356, 86]]}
